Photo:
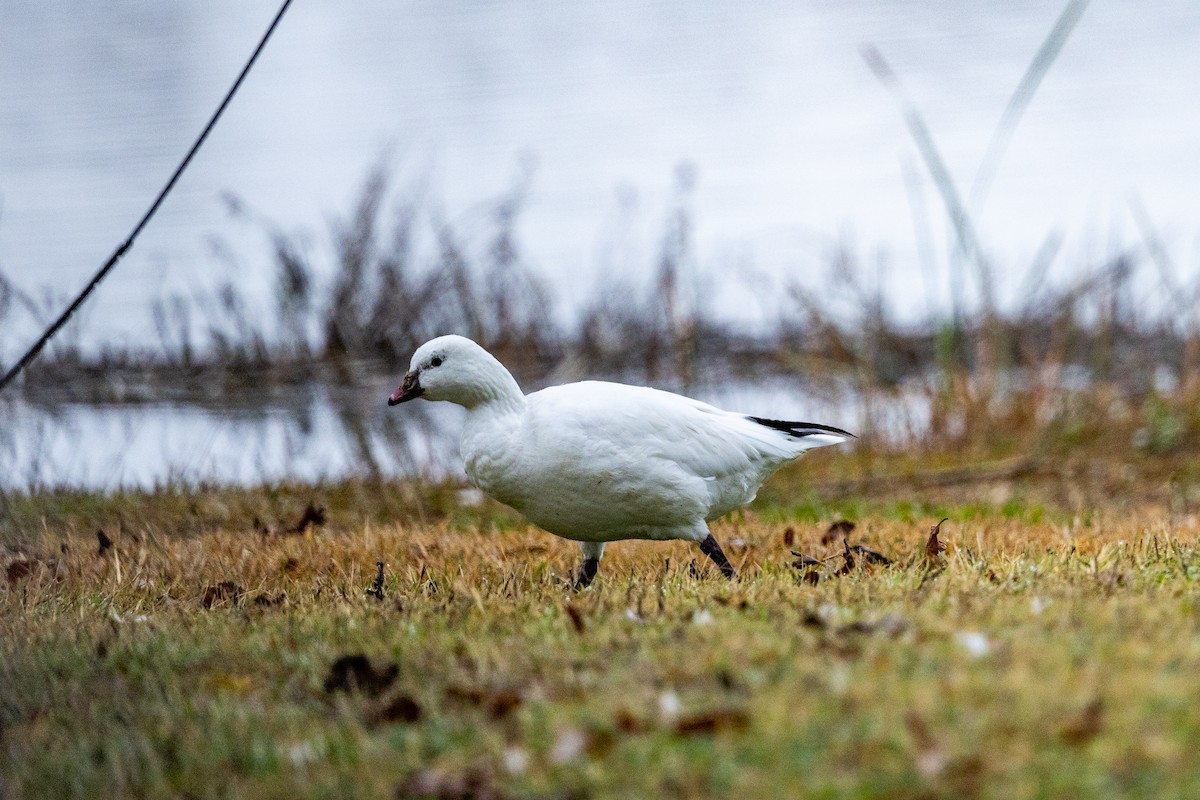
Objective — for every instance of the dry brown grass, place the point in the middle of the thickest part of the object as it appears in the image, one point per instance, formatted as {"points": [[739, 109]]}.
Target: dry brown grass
{"points": [[1043, 655]]}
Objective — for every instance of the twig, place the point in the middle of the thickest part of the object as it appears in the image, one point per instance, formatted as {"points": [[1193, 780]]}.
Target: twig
{"points": [[33, 351]]}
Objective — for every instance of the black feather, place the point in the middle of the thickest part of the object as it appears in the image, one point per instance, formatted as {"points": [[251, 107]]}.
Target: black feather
{"points": [[800, 429]]}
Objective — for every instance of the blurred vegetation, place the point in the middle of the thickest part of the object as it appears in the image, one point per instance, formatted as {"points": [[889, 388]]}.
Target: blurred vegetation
{"points": [[1108, 359]]}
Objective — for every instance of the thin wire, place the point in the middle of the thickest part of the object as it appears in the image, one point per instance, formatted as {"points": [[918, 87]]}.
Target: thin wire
{"points": [[120, 251]]}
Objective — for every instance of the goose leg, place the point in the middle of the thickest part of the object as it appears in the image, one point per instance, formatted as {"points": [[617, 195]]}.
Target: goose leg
{"points": [[713, 550], [592, 551]]}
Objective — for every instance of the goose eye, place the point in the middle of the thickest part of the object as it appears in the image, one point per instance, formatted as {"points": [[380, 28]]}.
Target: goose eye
{"points": [[436, 361]]}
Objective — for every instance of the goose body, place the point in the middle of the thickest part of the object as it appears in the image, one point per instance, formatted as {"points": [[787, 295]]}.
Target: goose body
{"points": [[596, 461]]}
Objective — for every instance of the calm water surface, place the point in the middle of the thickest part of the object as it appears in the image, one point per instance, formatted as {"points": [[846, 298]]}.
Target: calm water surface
{"points": [[315, 435]]}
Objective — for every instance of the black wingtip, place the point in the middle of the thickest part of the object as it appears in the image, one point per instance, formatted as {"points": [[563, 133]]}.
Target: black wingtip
{"points": [[800, 429]]}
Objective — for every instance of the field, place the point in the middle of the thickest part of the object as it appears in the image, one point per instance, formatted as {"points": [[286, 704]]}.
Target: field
{"points": [[236, 643]]}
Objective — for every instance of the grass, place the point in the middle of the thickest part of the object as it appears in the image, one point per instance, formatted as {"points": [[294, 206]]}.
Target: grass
{"points": [[1048, 653]]}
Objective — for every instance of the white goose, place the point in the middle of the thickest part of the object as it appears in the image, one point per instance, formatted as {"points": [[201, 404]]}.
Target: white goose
{"points": [[596, 462]]}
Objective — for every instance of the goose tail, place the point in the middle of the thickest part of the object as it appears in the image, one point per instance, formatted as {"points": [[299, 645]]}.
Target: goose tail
{"points": [[806, 435]]}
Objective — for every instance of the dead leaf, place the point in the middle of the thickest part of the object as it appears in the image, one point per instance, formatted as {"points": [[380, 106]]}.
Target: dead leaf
{"points": [[502, 703], [104, 542], [627, 722], [1086, 725], [465, 694], [400, 708], [933, 547], [726, 679], [267, 600], [847, 561], [225, 590], [868, 555], [314, 515], [838, 530], [354, 673], [725, 719], [21, 568], [789, 536], [576, 617]]}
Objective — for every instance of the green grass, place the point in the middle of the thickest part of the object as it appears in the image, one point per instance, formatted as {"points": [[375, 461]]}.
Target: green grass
{"points": [[1043, 658]]}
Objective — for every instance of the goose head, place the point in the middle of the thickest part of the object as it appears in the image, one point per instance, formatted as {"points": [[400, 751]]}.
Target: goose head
{"points": [[458, 370]]}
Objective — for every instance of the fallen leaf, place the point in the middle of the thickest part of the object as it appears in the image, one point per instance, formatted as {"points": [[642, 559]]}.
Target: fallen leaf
{"points": [[627, 722], [868, 555], [838, 530], [502, 703], [811, 619], [400, 708], [225, 590], [354, 673], [313, 515], [726, 679], [576, 617], [933, 547], [1086, 725], [789, 536], [726, 719], [16, 570], [267, 600]]}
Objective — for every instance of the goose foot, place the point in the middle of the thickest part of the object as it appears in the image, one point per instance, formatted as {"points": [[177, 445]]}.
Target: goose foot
{"points": [[587, 573], [713, 550]]}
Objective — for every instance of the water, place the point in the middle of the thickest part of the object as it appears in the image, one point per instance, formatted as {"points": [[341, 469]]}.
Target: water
{"points": [[794, 142], [309, 438], [309, 435]]}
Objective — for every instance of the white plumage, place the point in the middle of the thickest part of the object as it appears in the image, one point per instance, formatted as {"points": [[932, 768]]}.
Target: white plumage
{"points": [[597, 461]]}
